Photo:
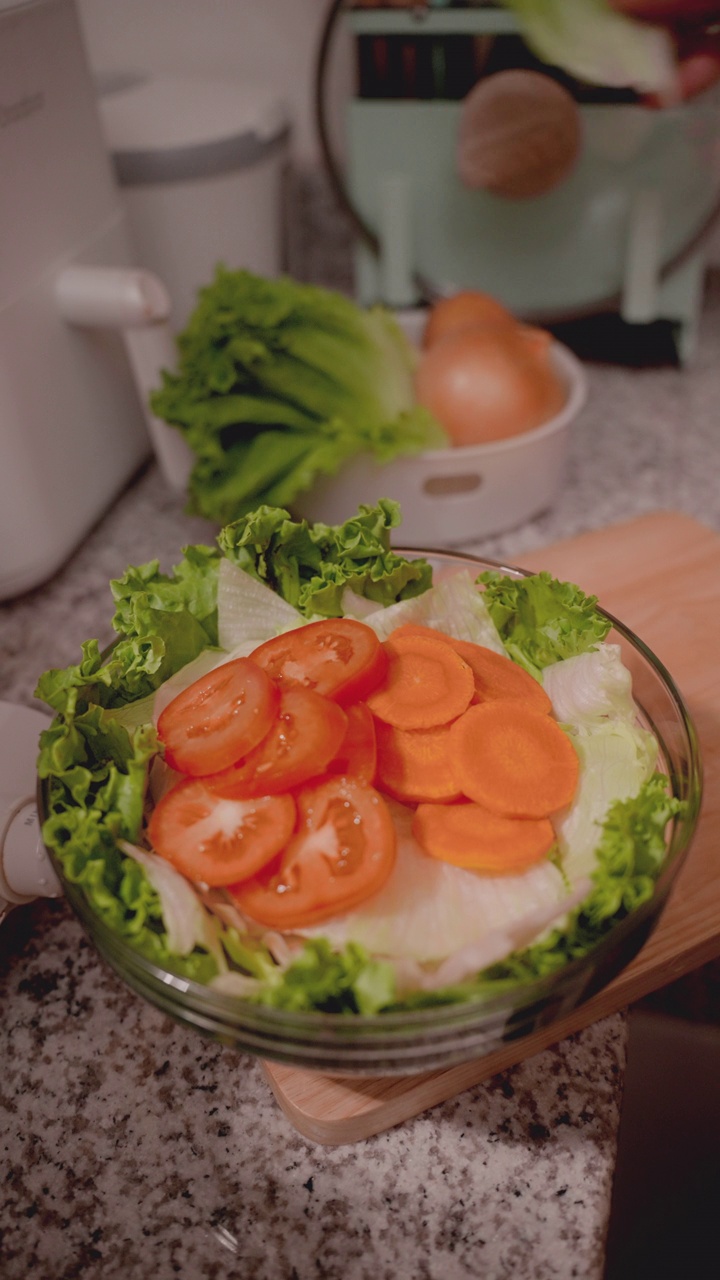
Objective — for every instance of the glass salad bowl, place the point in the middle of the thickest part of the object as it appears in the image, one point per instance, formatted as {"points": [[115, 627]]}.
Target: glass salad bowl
{"points": [[435, 1032]]}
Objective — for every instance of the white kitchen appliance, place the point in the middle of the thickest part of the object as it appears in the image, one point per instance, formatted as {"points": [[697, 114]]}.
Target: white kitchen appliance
{"points": [[201, 164], [72, 421]]}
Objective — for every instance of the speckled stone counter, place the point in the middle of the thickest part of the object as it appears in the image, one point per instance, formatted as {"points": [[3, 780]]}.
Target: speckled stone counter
{"points": [[132, 1148]]}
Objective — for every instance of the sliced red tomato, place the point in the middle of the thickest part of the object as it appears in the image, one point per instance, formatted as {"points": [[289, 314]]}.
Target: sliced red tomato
{"points": [[217, 841], [338, 657], [342, 853], [357, 756], [305, 736], [219, 718]]}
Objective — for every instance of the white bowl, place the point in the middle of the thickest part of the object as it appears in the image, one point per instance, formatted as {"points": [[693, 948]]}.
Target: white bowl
{"points": [[453, 496]]}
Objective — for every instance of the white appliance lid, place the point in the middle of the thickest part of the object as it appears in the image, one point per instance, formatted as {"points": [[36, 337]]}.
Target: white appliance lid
{"points": [[162, 128]]}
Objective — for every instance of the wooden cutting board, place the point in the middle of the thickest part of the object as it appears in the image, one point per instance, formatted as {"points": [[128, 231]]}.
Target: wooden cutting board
{"points": [[660, 574]]}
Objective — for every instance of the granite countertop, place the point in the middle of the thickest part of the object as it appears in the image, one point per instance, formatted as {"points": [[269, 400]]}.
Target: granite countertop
{"points": [[134, 1148]]}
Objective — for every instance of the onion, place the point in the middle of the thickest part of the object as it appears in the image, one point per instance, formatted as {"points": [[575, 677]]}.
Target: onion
{"points": [[484, 384], [465, 310]]}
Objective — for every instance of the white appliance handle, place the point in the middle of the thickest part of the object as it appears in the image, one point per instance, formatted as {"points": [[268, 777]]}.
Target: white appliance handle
{"points": [[25, 868], [135, 302]]}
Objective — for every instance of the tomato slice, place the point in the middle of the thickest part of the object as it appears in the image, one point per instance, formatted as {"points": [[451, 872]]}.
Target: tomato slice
{"points": [[338, 657], [357, 756], [217, 841], [219, 718], [343, 852], [305, 736]]}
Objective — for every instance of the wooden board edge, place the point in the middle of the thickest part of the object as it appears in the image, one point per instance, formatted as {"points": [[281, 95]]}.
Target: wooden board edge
{"points": [[370, 1105]]}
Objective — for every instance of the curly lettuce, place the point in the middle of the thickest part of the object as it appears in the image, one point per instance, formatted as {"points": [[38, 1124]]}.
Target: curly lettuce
{"points": [[542, 620], [312, 566]]}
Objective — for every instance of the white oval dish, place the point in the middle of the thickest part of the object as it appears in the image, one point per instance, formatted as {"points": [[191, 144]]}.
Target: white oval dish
{"points": [[454, 496]]}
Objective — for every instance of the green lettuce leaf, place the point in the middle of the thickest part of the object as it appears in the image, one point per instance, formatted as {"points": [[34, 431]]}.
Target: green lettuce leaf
{"points": [[162, 622], [96, 777], [541, 620], [280, 382], [347, 981], [311, 566]]}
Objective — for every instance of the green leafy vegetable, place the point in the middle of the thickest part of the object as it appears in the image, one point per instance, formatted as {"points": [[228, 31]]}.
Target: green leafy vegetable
{"points": [[280, 382], [311, 566], [541, 620], [96, 775], [593, 42], [346, 981], [162, 622]]}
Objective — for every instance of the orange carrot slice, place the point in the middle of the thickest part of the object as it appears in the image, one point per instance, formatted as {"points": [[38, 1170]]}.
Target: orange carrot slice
{"points": [[414, 764], [496, 676], [513, 759], [471, 836], [426, 684]]}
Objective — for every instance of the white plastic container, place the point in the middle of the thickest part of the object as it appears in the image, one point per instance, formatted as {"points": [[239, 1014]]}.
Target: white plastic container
{"points": [[72, 429], [200, 163], [451, 497]]}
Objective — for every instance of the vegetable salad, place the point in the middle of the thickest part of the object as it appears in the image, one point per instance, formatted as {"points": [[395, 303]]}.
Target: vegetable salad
{"points": [[309, 775]]}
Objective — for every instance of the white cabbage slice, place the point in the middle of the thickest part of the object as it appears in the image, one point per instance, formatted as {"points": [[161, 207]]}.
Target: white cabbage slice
{"points": [[592, 698], [186, 921], [591, 687], [595, 43], [453, 605], [616, 758], [249, 611]]}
